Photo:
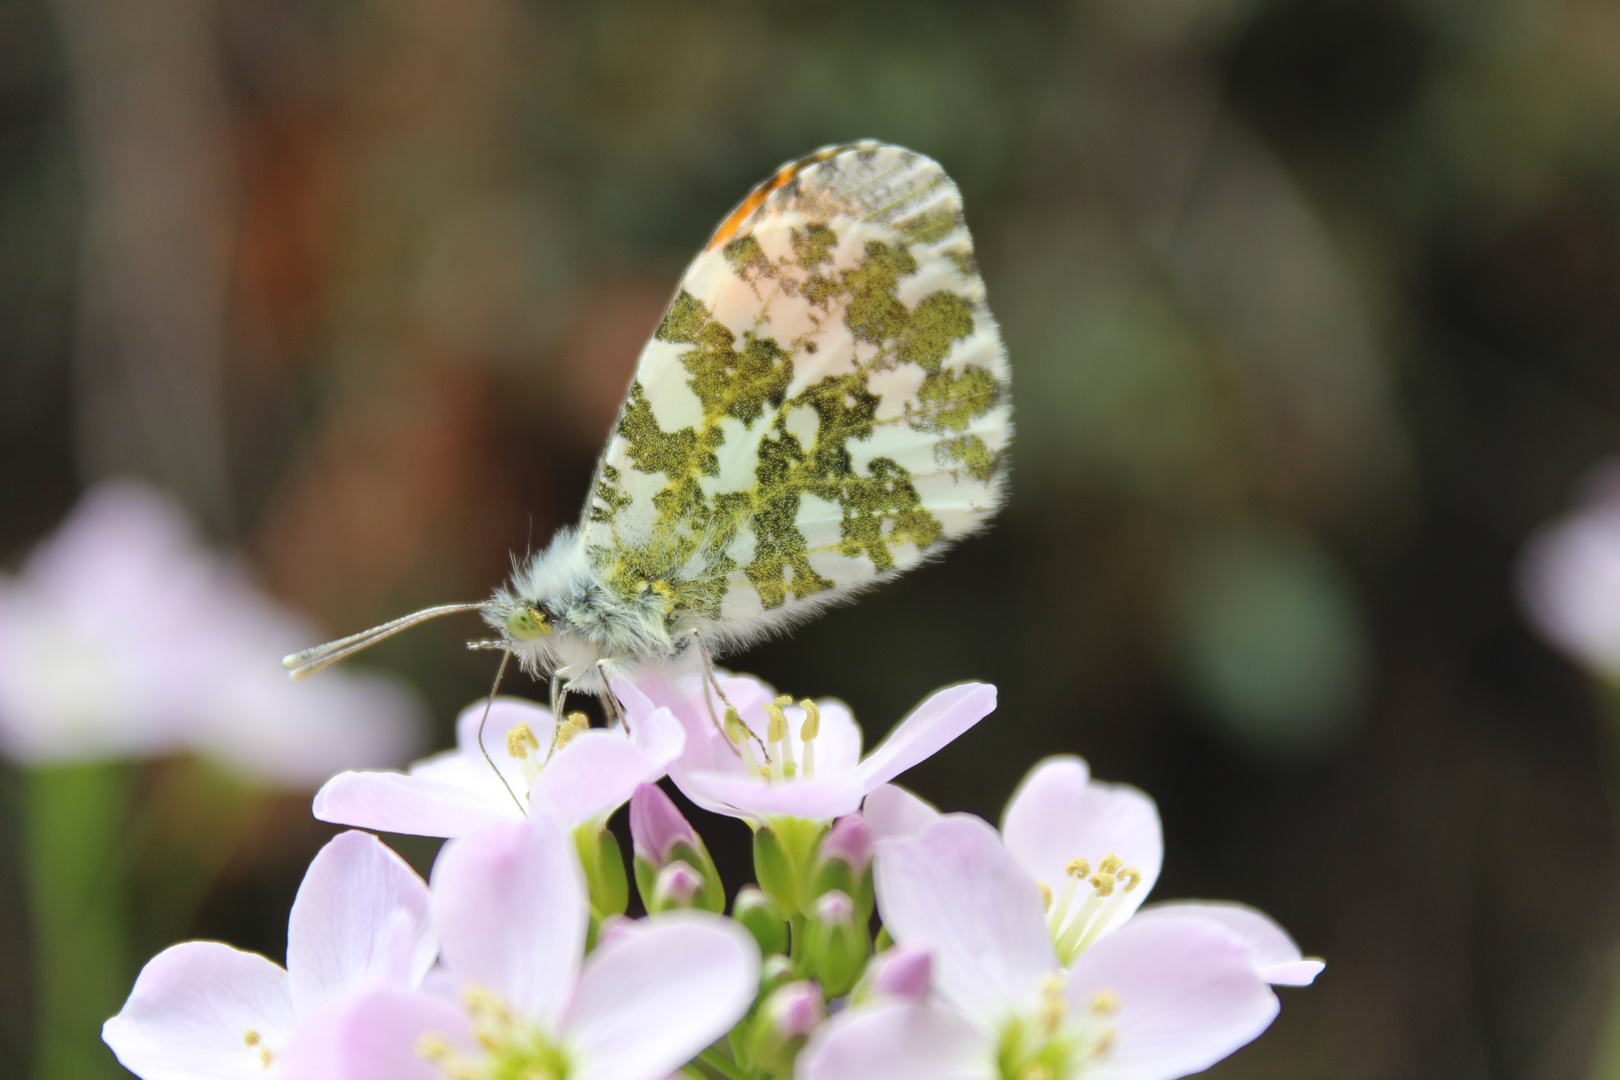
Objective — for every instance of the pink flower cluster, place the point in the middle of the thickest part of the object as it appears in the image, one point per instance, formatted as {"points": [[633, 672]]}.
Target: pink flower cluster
{"points": [[1018, 954], [124, 636]]}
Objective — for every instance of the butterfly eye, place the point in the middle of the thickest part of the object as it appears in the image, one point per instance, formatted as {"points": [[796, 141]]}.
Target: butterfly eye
{"points": [[527, 623]]}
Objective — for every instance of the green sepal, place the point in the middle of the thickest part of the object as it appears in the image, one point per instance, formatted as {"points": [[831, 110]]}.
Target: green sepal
{"points": [[760, 916], [603, 863], [836, 952], [784, 851]]}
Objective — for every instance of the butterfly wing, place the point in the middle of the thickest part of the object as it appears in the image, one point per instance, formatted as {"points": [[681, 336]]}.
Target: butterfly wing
{"points": [[825, 404]]}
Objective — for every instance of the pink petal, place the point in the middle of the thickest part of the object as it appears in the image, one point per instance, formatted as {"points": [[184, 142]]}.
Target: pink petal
{"points": [[903, 971], [956, 890], [449, 794], [418, 806], [505, 713], [893, 812], [657, 825], [1277, 959], [510, 905], [192, 1010], [599, 769], [1187, 997], [1059, 814], [706, 748], [376, 1036], [898, 1042], [754, 797], [360, 921], [650, 999], [931, 725], [261, 723]]}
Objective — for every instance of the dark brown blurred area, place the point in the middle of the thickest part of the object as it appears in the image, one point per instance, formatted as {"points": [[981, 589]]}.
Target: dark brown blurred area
{"points": [[1314, 313]]}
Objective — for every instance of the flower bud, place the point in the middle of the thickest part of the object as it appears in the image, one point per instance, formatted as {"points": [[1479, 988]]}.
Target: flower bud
{"points": [[657, 825], [660, 837], [773, 972], [838, 943], [760, 916], [844, 862], [603, 863], [904, 971], [784, 854], [781, 1026], [677, 886]]}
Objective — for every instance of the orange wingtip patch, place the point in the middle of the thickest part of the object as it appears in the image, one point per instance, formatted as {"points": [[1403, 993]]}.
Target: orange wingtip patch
{"points": [[756, 198]]}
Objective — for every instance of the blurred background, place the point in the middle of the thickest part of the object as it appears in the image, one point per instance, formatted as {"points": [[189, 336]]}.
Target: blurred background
{"points": [[1314, 311]]}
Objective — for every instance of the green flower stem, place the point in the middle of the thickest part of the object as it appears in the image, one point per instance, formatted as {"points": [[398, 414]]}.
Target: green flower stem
{"points": [[723, 1065], [799, 927], [73, 820]]}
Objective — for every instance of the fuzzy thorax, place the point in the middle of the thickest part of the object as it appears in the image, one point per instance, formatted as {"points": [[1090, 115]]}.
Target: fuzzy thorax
{"points": [[561, 619]]}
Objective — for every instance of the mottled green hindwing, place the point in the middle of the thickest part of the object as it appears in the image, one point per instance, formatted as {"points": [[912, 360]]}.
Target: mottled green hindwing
{"points": [[825, 403]]}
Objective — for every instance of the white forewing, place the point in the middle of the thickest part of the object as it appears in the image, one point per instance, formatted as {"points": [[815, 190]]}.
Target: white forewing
{"points": [[825, 403]]}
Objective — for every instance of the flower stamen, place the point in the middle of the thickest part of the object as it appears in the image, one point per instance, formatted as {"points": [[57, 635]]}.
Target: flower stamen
{"points": [[807, 734], [1076, 925], [778, 737]]}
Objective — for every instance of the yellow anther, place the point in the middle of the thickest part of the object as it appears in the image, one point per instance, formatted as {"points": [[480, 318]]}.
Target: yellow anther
{"points": [[520, 741], [267, 1056], [1110, 865], [777, 729], [1054, 1005], [661, 587], [736, 730], [1103, 883], [1046, 895], [1104, 1003], [484, 1005], [573, 724], [433, 1047], [1077, 868], [783, 699], [1131, 876], [812, 720], [1106, 1042], [252, 1038]]}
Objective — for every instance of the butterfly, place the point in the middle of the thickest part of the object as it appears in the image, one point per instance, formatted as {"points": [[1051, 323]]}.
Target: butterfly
{"points": [[824, 405]]}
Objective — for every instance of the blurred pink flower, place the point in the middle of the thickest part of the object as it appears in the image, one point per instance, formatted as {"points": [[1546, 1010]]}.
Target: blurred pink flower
{"points": [[123, 636], [1569, 578], [821, 777], [510, 905], [453, 793], [360, 922], [1153, 1000]]}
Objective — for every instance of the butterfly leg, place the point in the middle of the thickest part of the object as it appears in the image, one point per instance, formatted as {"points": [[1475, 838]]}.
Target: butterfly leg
{"points": [[710, 682], [610, 701], [489, 704]]}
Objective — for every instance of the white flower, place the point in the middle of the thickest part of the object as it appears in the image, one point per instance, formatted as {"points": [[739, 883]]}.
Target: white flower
{"points": [[509, 902], [206, 1011], [1569, 578], [585, 775], [123, 636], [1156, 999]]}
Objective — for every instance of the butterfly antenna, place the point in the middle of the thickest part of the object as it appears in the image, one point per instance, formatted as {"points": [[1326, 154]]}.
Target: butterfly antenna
{"points": [[500, 671], [301, 665]]}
